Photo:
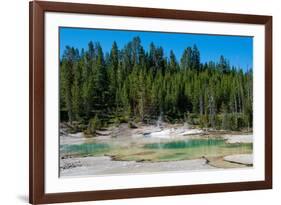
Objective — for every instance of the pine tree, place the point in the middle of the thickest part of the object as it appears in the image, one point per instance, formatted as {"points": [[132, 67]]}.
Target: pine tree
{"points": [[195, 58], [186, 59], [76, 90], [173, 66], [113, 66], [67, 75]]}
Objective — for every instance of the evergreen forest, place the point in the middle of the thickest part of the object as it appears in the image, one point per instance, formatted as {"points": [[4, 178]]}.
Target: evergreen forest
{"points": [[133, 85]]}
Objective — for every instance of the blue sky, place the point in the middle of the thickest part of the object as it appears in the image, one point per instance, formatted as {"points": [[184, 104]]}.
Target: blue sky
{"points": [[238, 50]]}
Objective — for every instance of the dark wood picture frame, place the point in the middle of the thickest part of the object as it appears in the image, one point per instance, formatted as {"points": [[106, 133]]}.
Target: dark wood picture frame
{"points": [[37, 193]]}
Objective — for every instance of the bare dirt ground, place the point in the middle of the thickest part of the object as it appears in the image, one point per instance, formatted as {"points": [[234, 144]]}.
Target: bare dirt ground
{"points": [[104, 165]]}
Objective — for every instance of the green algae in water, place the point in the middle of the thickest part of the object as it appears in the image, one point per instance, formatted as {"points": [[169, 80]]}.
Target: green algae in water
{"points": [[190, 143], [164, 151], [196, 148], [193, 143], [85, 149]]}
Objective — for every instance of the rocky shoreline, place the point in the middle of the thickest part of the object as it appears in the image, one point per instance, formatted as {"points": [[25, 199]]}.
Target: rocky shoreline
{"points": [[105, 165], [101, 165]]}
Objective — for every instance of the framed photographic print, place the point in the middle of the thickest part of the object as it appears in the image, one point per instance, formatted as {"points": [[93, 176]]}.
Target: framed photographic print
{"points": [[139, 102]]}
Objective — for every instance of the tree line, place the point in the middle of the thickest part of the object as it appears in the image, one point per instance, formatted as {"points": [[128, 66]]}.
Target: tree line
{"points": [[134, 85]]}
